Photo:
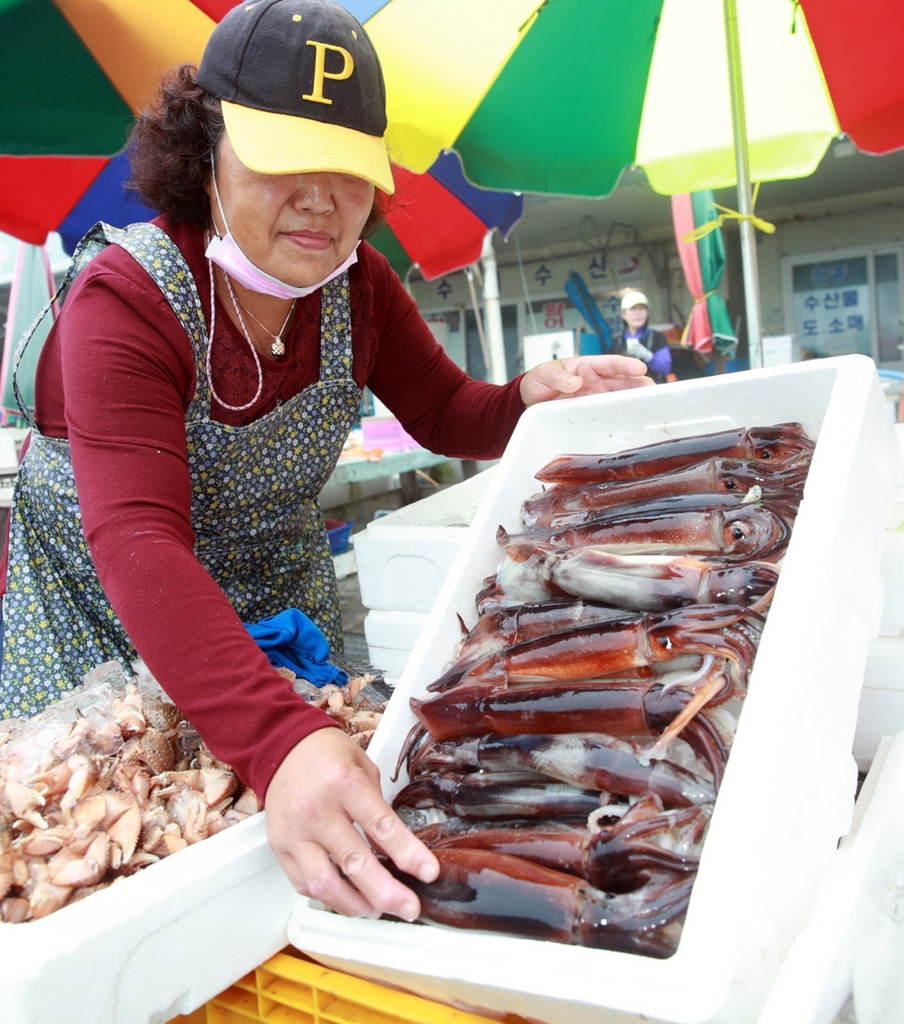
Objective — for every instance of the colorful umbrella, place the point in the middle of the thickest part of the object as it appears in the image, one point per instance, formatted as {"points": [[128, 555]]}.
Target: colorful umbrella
{"points": [[72, 76], [559, 96], [62, 165], [702, 251]]}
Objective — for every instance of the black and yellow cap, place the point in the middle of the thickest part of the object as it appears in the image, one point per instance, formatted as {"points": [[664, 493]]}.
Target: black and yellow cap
{"points": [[301, 89]]}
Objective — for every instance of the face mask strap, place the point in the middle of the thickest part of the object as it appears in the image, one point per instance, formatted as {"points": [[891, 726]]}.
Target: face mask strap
{"points": [[216, 192]]}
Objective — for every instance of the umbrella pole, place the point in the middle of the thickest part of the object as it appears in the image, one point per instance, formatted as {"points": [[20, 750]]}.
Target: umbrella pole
{"points": [[745, 204], [493, 310]]}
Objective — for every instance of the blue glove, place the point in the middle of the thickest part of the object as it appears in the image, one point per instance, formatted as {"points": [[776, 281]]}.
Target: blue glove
{"points": [[291, 640], [661, 361]]}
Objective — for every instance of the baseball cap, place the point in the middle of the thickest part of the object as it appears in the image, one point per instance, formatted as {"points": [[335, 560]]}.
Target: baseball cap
{"points": [[630, 299], [301, 89]]}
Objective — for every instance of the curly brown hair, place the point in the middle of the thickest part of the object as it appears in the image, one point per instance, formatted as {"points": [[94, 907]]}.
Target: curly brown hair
{"points": [[170, 147]]}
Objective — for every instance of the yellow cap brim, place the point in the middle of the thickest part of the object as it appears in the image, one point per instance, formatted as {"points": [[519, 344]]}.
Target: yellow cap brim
{"points": [[283, 144]]}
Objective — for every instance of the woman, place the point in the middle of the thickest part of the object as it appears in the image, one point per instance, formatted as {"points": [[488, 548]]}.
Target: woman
{"points": [[193, 398], [640, 340]]}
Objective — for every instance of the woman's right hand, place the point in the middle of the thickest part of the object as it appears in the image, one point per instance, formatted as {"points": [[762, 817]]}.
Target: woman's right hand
{"points": [[323, 788]]}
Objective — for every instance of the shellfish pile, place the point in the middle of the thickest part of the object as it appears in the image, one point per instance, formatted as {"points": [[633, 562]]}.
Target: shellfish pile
{"points": [[111, 779], [565, 766], [103, 783]]}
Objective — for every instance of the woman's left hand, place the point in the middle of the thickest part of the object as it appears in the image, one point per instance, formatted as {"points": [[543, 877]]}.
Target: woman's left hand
{"points": [[582, 375]]}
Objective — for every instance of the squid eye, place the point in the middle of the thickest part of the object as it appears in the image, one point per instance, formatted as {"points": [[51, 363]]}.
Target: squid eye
{"points": [[665, 643], [766, 454], [737, 533], [730, 485]]}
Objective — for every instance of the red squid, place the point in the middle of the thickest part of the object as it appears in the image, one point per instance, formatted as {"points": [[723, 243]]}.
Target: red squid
{"points": [[564, 505], [780, 443], [505, 626], [616, 645], [752, 530], [500, 893], [615, 853], [496, 795]]}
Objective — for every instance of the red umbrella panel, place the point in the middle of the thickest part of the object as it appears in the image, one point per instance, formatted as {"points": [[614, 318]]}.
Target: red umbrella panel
{"points": [[861, 52], [440, 219]]}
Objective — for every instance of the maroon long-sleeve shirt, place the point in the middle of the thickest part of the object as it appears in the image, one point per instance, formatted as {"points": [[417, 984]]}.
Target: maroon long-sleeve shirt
{"points": [[116, 377]]}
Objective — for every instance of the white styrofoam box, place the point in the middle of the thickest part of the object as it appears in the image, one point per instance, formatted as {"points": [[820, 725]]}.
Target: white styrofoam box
{"points": [[816, 977], [158, 944], [334, 495], [391, 637], [893, 579], [394, 630], [893, 556], [389, 660], [789, 786], [881, 709], [404, 557], [779, 349]]}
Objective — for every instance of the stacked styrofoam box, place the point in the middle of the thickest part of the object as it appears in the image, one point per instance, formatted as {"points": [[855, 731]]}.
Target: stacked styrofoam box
{"points": [[788, 790], [402, 560], [882, 698], [851, 941], [155, 945], [780, 349]]}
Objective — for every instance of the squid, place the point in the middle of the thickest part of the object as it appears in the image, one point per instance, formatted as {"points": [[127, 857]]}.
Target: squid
{"points": [[501, 893], [496, 795], [732, 533], [586, 760], [564, 505], [619, 850], [784, 502], [628, 642], [779, 444], [651, 583], [505, 626]]}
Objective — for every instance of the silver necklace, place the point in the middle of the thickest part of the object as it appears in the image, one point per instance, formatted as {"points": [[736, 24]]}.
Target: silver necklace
{"points": [[207, 360], [277, 348]]}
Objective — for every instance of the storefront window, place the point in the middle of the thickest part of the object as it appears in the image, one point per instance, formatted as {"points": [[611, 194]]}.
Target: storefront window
{"points": [[888, 308], [846, 303], [831, 306]]}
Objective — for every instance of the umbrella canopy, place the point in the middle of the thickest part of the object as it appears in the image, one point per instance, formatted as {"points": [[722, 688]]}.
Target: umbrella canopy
{"points": [[62, 164], [72, 76], [702, 253], [559, 96]]}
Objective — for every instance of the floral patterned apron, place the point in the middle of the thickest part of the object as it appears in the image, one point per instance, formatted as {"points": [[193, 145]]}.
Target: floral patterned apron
{"points": [[258, 529]]}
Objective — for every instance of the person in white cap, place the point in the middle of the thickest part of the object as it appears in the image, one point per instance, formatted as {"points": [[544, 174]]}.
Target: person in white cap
{"points": [[640, 340], [192, 399]]}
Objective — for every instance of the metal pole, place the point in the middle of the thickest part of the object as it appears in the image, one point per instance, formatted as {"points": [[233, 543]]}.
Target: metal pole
{"points": [[493, 311], [745, 203]]}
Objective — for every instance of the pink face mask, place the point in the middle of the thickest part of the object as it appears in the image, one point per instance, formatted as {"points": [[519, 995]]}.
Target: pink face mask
{"points": [[224, 251]]}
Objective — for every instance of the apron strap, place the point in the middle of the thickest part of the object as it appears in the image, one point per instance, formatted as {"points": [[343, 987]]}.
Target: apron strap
{"points": [[89, 246], [146, 243]]}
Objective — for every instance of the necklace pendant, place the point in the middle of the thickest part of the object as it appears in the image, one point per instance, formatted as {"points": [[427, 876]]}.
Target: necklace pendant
{"points": [[278, 348]]}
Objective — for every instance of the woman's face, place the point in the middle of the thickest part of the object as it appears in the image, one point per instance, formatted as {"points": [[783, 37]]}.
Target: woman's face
{"points": [[635, 317], [296, 227]]}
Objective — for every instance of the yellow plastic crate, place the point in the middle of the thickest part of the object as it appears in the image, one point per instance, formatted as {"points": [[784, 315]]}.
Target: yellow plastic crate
{"points": [[291, 989]]}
